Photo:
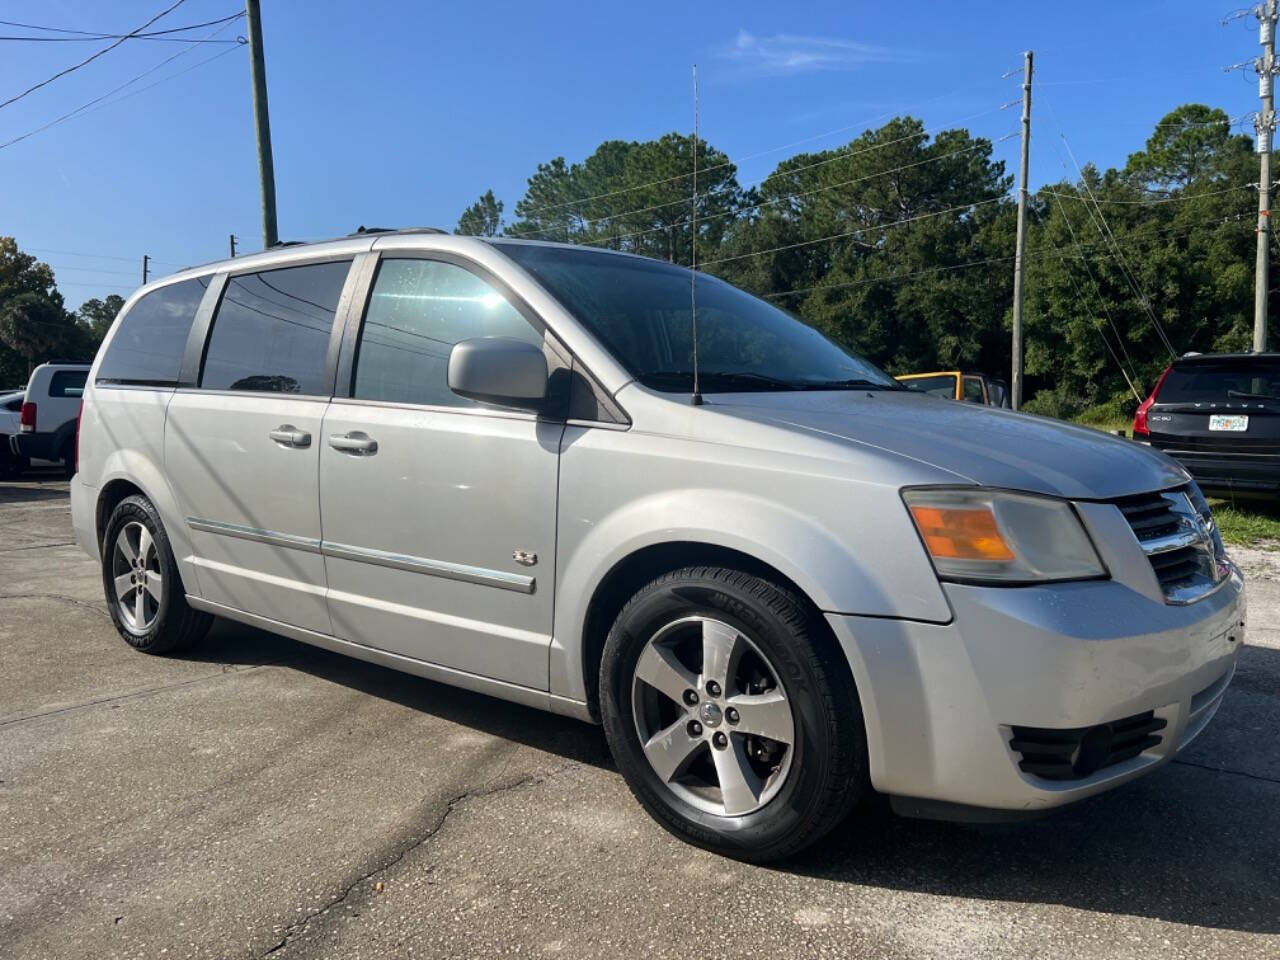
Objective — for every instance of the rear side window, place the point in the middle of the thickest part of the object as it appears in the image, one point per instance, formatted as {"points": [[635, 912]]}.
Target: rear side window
{"points": [[973, 390], [147, 347], [943, 385], [1222, 381], [271, 331], [68, 383], [418, 310]]}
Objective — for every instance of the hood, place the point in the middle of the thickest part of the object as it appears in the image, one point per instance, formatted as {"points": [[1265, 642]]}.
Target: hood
{"points": [[981, 445]]}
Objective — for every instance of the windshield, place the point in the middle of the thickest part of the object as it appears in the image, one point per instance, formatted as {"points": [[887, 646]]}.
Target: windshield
{"points": [[1221, 381], [639, 310]]}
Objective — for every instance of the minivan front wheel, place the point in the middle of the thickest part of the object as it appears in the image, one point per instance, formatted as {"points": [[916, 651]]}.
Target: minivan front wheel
{"points": [[140, 579], [731, 713]]}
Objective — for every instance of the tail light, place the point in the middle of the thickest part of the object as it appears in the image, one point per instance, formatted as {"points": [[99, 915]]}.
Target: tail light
{"points": [[1140, 428], [27, 419]]}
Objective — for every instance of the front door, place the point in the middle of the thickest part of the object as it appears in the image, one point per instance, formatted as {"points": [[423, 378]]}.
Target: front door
{"points": [[242, 448], [438, 513]]}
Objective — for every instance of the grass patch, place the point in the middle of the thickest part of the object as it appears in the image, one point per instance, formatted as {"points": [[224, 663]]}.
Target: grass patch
{"points": [[1107, 426], [1247, 523]]}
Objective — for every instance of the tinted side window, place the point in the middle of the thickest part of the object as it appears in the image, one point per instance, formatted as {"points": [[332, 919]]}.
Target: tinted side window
{"points": [[68, 383], [148, 345], [943, 385], [418, 310], [271, 331]]}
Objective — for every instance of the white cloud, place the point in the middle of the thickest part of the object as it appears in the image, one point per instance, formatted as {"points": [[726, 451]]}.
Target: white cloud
{"points": [[787, 53]]}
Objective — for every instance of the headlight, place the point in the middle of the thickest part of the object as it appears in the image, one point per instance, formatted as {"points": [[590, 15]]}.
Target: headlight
{"points": [[989, 535]]}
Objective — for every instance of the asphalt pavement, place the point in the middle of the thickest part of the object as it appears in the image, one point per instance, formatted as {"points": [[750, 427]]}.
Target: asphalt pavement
{"points": [[257, 797]]}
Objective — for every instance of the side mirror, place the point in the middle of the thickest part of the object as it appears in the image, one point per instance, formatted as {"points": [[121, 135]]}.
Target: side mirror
{"points": [[499, 370]]}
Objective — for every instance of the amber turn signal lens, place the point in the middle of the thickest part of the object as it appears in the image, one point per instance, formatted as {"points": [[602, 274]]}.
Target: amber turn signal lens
{"points": [[962, 533]]}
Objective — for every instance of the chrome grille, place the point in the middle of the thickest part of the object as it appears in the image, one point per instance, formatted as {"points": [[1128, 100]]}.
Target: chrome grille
{"points": [[1176, 532]]}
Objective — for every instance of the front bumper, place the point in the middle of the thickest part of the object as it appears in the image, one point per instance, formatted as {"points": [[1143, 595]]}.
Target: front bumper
{"points": [[940, 699]]}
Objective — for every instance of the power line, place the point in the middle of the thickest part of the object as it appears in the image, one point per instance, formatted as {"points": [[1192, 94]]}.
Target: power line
{"points": [[840, 154], [852, 233], [888, 277], [91, 35], [1104, 229], [107, 36], [1101, 302], [1178, 198], [1044, 250], [96, 256], [107, 49], [98, 101], [736, 211]]}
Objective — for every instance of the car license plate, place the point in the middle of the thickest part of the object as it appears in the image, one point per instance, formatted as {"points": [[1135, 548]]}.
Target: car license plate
{"points": [[1235, 424]]}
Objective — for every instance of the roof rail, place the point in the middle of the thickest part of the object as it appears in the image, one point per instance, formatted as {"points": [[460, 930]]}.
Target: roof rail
{"points": [[362, 230]]}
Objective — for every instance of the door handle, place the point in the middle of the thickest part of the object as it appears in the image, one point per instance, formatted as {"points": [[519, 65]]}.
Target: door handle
{"points": [[287, 435], [355, 443]]}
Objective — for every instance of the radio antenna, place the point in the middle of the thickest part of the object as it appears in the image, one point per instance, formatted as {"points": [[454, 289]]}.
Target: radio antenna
{"points": [[696, 399]]}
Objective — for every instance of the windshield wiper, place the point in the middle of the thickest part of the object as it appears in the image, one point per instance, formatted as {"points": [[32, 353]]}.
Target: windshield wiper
{"points": [[857, 383], [743, 379], [1241, 395]]}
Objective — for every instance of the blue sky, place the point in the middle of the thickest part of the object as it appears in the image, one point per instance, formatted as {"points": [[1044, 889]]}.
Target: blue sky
{"points": [[390, 112]]}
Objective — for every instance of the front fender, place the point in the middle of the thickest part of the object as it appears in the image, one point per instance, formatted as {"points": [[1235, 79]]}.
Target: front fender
{"points": [[836, 572]]}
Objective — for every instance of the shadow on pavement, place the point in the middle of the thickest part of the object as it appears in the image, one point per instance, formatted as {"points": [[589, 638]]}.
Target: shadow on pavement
{"points": [[29, 489], [1185, 844], [234, 643]]}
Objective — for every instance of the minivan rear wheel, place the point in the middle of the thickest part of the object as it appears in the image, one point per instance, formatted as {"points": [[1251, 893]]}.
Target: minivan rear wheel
{"points": [[140, 578], [732, 714]]}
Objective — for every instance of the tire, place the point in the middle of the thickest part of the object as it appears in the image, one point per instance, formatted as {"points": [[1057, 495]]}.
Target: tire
{"points": [[164, 622], [795, 794], [68, 457]]}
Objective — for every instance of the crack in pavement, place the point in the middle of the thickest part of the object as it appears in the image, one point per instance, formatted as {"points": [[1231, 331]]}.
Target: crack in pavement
{"points": [[1234, 773], [298, 926], [57, 596], [39, 546], [227, 668]]}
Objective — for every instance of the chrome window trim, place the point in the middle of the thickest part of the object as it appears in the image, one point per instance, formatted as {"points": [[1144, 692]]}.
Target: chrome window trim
{"points": [[499, 412], [279, 395], [518, 583]]}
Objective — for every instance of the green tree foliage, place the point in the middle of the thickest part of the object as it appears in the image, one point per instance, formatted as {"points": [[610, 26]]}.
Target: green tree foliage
{"points": [[483, 218], [33, 322], [901, 245], [636, 197], [96, 316]]}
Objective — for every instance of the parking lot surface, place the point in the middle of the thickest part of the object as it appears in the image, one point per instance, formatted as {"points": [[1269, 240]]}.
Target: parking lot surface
{"points": [[256, 797]]}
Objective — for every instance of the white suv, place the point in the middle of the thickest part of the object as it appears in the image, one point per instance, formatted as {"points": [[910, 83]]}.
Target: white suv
{"points": [[778, 579], [49, 412]]}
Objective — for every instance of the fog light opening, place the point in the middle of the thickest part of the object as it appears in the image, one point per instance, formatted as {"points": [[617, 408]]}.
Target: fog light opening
{"points": [[1094, 751]]}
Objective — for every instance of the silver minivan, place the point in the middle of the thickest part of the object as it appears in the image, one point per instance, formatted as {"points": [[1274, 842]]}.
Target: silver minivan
{"points": [[779, 580]]}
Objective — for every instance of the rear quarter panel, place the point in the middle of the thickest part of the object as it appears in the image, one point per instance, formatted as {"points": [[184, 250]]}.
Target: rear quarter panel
{"points": [[122, 438]]}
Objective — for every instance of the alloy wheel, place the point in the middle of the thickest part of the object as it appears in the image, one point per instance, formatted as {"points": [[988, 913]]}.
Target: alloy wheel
{"points": [[713, 716], [135, 569]]}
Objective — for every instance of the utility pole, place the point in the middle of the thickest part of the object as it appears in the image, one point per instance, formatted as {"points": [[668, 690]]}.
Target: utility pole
{"points": [[1264, 125], [1020, 249], [266, 166], [146, 262], [233, 245]]}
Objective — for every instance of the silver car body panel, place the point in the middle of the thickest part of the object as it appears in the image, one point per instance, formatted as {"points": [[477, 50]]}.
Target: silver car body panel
{"points": [[419, 557]]}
